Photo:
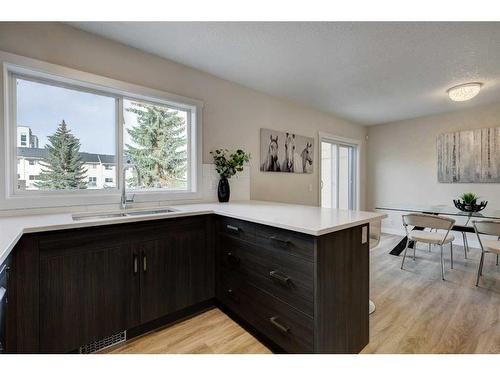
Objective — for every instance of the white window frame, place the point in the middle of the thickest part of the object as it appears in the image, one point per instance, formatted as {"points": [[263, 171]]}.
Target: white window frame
{"points": [[357, 144], [11, 197]]}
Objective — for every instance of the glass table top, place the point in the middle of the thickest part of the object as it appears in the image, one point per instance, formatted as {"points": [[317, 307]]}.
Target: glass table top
{"points": [[487, 213]]}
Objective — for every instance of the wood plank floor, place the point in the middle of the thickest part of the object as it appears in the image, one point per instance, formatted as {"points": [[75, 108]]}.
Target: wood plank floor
{"points": [[211, 332], [416, 312]]}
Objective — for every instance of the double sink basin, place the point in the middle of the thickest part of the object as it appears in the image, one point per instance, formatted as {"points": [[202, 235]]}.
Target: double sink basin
{"points": [[111, 215]]}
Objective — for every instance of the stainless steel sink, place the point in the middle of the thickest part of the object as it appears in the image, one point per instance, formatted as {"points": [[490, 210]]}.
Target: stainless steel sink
{"points": [[149, 212], [78, 217], [111, 215]]}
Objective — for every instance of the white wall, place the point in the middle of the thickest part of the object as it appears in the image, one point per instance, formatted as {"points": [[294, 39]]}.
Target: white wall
{"points": [[402, 161], [232, 113]]}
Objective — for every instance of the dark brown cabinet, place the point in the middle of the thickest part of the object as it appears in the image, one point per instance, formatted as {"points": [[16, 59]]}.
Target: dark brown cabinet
{"points": [[86, 295], [297, 293], [97, 282], [176, 271]]}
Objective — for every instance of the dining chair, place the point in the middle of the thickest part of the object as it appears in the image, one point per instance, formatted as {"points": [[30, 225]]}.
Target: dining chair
{"points": [[432, 238], [488, 228], [375, 233]]}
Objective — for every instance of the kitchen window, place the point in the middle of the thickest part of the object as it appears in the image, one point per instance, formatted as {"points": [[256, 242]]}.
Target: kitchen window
{"points": [[73, 127], [77, 135]]}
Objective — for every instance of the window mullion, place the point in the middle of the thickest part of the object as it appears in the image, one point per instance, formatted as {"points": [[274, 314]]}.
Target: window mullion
{"points": [[119, 146]]}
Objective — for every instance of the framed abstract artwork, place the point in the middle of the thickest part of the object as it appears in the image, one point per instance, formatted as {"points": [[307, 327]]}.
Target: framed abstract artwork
{"points": [[469, 156]]}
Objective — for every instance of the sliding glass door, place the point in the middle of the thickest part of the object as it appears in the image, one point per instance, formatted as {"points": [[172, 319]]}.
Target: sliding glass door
{"points": [[338, 175]]}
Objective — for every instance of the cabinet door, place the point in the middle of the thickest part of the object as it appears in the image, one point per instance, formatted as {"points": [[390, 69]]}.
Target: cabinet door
{"points": [[193, 259], [154, 281], [86, 295], [177, 270]]}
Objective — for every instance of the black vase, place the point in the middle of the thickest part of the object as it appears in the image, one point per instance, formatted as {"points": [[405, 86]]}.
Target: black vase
{"points": [[223, 190]]}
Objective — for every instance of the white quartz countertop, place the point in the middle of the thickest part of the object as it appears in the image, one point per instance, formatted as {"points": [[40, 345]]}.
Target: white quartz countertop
{"points": [[311, 220]]}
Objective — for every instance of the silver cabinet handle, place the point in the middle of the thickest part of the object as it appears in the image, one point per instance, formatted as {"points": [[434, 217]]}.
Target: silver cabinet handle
{"points": [[233, 228], [281, 327], [144, 262], [135, 263], [280, 240], [281, 278]]}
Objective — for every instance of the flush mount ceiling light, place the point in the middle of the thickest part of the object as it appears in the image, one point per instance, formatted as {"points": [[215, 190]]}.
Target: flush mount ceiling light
{"points": [[464, 92]]}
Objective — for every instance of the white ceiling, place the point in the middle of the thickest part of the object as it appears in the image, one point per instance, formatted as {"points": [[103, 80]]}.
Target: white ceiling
{"points": [[369, 73]]}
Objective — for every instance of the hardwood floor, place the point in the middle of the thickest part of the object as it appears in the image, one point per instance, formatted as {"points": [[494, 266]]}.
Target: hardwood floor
{"points": [[211, 332], [416, 311]]}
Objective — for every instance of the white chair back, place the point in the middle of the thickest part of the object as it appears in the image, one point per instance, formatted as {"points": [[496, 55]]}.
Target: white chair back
{"points": [[375, 231], [487, 227], [428, 221]]}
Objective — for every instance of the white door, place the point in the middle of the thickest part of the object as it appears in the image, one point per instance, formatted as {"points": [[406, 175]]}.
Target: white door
{"points": [[338, 175]]}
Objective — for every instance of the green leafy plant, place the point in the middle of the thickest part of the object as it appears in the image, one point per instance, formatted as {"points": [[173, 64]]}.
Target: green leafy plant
{"points": [[228, 164], [469, 198]]}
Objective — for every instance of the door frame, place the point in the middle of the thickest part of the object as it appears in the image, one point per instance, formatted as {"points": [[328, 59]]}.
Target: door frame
{"points": [[357, 143]]}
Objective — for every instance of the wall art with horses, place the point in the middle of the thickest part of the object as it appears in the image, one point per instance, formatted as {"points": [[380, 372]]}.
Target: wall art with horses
{"points": [[285, 152]]}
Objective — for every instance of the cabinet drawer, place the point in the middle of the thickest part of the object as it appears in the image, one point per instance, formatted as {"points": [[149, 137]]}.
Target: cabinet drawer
{"points": [[285, 241], [229, 291], [281, 323], [286, 277], [236, 228]]}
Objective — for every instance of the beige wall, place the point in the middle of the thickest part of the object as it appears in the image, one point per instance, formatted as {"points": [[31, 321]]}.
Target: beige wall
{"points": [[402, 160], [232, 114]]}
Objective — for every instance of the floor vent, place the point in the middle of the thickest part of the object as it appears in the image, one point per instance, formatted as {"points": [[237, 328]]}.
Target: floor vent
{"points": [[104, 343]]}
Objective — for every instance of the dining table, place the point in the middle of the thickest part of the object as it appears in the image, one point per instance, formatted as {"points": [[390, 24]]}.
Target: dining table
{"points": [[487, 213]]}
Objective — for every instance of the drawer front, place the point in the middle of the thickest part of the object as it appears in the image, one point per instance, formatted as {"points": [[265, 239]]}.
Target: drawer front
{"points": [[229, 291], [286, 277], [236, 228], [286, 242], [284, 325]]}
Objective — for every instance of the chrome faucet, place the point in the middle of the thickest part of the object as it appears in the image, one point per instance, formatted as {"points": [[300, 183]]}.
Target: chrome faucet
{"points": [[125, 199]]}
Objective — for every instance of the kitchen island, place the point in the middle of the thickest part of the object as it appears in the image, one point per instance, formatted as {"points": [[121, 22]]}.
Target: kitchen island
{"points": [[295, 276]]}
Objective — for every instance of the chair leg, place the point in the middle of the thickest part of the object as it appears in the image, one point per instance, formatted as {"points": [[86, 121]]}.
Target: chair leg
{"points": [[466, 245], [442, 262], [497, 259], [414, 249], [429, 248], [480, 268], [451, 254], [404, 255]]}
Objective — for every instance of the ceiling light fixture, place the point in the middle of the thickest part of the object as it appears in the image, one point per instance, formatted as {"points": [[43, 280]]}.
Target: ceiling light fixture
{"points": [[464, 92]]}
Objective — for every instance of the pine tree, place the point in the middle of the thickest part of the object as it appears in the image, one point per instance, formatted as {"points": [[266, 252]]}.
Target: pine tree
{"points": [[63, 167], [159, 151]]}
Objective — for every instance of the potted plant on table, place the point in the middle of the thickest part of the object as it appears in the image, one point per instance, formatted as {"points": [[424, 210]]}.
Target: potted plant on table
{"points": [[467, 202], [227, 165]]}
